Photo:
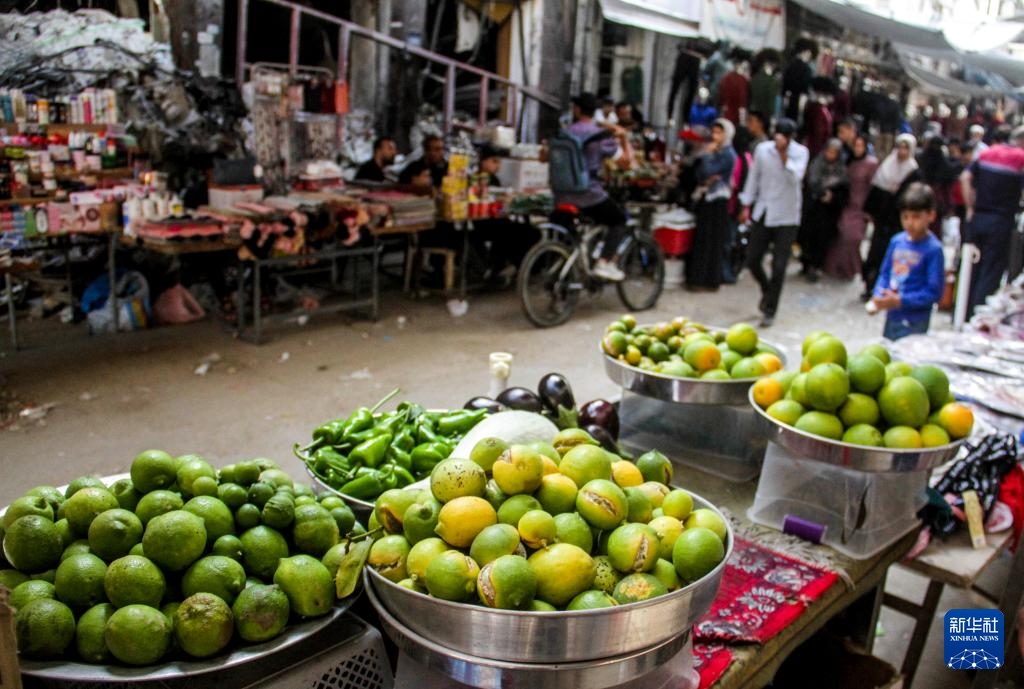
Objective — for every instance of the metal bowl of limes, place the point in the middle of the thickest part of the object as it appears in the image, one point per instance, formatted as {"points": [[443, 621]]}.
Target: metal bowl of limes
{"points": [[667, 388], [849, 456], [552, 637]]}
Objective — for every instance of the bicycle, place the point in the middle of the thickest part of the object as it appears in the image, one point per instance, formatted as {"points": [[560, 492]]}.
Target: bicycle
{"points": [[558, 269]]}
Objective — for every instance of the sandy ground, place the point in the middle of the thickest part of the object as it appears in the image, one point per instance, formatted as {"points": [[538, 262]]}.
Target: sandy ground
{"points": [[115, 396]]}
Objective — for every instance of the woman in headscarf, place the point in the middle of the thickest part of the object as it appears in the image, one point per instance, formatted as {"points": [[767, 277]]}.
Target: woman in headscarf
{"points": [[843, 259], [897, 172], [714, 175], [826, 191]]}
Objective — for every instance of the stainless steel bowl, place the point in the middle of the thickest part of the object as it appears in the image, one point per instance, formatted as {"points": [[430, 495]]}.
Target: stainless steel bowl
{"points": [[551, 637], [681, 390], [848, 455], [319, 487]]}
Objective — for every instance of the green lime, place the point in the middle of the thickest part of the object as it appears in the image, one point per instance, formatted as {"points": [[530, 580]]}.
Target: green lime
{"points": [[53, 497], [216, 574], [262, 549], [260, 492], [203, 625], [261, 612], [26, 505], [863, 434], [247, 473], [44, 628], [127, 497], [867, 373], [79, 581], [696, 552], [215, 515], [451, 576], [83, 482], [113, 533], [343, 517], [138, 635], [859, 409], [204, 485], [247, 516], [175, 540], [279, 512], [137, 549], [28, 591], [134, 579], [76, 548], [67, 536], [89, 633], [190, 468], [232, 495], [12, 578], [152, 470], [157, 502], [85, 505], [33, 544], [228, 545], [308, 584], [314, 534], [228, 473], [49, 575]]}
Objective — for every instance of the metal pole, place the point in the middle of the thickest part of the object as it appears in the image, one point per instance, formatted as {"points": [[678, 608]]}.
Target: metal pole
{"points": [[257, 301], [9, 291], [344, 37], [449, 97], [112, 267], [969, 255], [293, 41], [243, 36], [484, 83]]}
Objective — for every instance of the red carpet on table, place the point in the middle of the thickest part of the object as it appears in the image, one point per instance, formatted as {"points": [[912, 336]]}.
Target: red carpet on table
{"points": [[762, 593]]}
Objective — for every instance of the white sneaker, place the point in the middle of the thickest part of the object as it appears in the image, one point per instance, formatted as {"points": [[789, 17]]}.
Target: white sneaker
{"points": [[608, 271]]}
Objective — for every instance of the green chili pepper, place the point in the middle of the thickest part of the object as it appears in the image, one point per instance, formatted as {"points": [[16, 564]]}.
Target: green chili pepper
{"points": [[460, 421], [389, 478], [426, 456], [411, 411], [371, 452], [399, 457], [364, 487], [327, 458], [359, 438], [329, 433], [361, 420], [391, 424], [403, 475], [425, 432], [404, 440]]}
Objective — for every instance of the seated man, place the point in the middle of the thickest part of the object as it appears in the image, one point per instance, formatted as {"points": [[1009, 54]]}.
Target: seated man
{"points": [[433, 162], [501, 242], [384, 152]]}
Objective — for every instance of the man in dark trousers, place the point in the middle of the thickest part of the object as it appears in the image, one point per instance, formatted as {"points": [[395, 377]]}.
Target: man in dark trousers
{"points": [[384, 152], [773, 198], [992, 192]]}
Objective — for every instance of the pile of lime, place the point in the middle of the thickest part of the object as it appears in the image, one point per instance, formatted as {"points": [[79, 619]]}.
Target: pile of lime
{"points": [[686, 349], [179, 557], [564, 525], [867, 399]]}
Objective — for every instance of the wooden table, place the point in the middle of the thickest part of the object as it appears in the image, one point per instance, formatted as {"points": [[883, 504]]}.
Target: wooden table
{"points": [[184, 246], [754, 665]]}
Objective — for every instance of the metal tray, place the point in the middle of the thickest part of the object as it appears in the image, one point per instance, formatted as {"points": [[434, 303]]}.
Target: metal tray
{"points": [[551, 637], [848, 455], [681, 390], [62, 671]]}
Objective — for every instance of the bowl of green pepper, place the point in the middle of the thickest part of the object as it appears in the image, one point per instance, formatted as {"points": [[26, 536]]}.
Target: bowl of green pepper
{"points": [[359, 457]]}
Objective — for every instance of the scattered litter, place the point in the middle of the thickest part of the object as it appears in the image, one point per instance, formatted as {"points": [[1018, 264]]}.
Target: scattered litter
{"points": [[232, 369], [361, 374], [366, 336], [402, 320], [206, 362], [321, 367], [67, 315], [302, 320], [309, 343], [285, 356], [202, 369], [211, 358], [36, 412], [458, 307], [87, 396], [388, 338]]}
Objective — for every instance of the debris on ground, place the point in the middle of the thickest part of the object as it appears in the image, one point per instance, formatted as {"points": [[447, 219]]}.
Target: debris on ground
{"points": [[361, 374], [285, 356]]}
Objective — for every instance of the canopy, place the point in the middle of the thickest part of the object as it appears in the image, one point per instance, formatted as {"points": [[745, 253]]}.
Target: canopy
{"points": [[936, 83], [958, 42], [672, 17]]}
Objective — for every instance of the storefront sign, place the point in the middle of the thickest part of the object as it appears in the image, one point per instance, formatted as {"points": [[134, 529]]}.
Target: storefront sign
{"points": [[750, 24]]}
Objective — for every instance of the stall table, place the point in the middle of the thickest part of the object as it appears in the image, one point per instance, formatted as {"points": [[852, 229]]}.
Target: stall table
{"points": [[755, 665]]}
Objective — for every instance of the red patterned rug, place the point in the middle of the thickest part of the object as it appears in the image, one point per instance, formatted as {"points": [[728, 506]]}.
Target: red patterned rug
{"points": [[710, 661], [762, 593]]}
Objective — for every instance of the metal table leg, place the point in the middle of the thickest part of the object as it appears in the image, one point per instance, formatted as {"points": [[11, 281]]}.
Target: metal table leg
{"points": [[923, 615], [9, 292], [257, 301], [374, 278], [112, 273], [465, 259], [240, 305]]}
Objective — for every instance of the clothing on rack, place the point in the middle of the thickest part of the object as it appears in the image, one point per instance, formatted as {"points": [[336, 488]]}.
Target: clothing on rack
{"points": [[733, 96], [685, 81]]}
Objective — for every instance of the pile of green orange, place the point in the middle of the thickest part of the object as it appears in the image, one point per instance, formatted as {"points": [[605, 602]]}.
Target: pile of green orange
{"points": [[687, 349], [180, 557], [541, 527], [866, 399]]}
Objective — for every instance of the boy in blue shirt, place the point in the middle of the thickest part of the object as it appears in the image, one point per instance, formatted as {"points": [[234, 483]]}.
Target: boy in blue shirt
{"points": [[913, 273]]}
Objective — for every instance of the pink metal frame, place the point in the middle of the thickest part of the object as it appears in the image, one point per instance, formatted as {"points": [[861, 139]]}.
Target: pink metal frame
{"points": [[347, 29]]}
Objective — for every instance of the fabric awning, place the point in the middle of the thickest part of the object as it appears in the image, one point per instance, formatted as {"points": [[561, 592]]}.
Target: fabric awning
{"points": [[672, 17], [936, 83]]}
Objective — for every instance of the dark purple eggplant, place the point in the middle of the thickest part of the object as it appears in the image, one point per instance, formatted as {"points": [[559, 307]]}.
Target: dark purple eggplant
{"points": [[602, 436], [601, 413], [521, 399], [492, 406], [555, 392]]}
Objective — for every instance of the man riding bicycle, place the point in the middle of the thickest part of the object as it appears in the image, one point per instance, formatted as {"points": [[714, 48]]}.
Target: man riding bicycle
{"points": [[594, 203]]}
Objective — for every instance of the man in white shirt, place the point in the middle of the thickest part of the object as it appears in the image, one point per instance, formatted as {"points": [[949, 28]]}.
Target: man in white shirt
{"points": [[976, 135], [773, 198]]}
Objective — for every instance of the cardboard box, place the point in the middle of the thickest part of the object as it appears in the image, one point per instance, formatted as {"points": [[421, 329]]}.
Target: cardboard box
{"points": [[522, 175]]}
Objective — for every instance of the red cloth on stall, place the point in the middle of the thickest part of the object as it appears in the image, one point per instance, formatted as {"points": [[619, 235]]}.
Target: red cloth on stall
{"points": [[762, 592], [1011, 493], [710, 661]]}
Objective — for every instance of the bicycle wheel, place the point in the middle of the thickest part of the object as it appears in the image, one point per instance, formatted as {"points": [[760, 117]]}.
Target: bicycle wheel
{"points": [[547, 290], [644, 266]]}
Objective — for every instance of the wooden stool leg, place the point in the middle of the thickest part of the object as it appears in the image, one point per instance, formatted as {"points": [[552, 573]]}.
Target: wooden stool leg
{"points": [[449, 271], [410, 257], [922, 625]]}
